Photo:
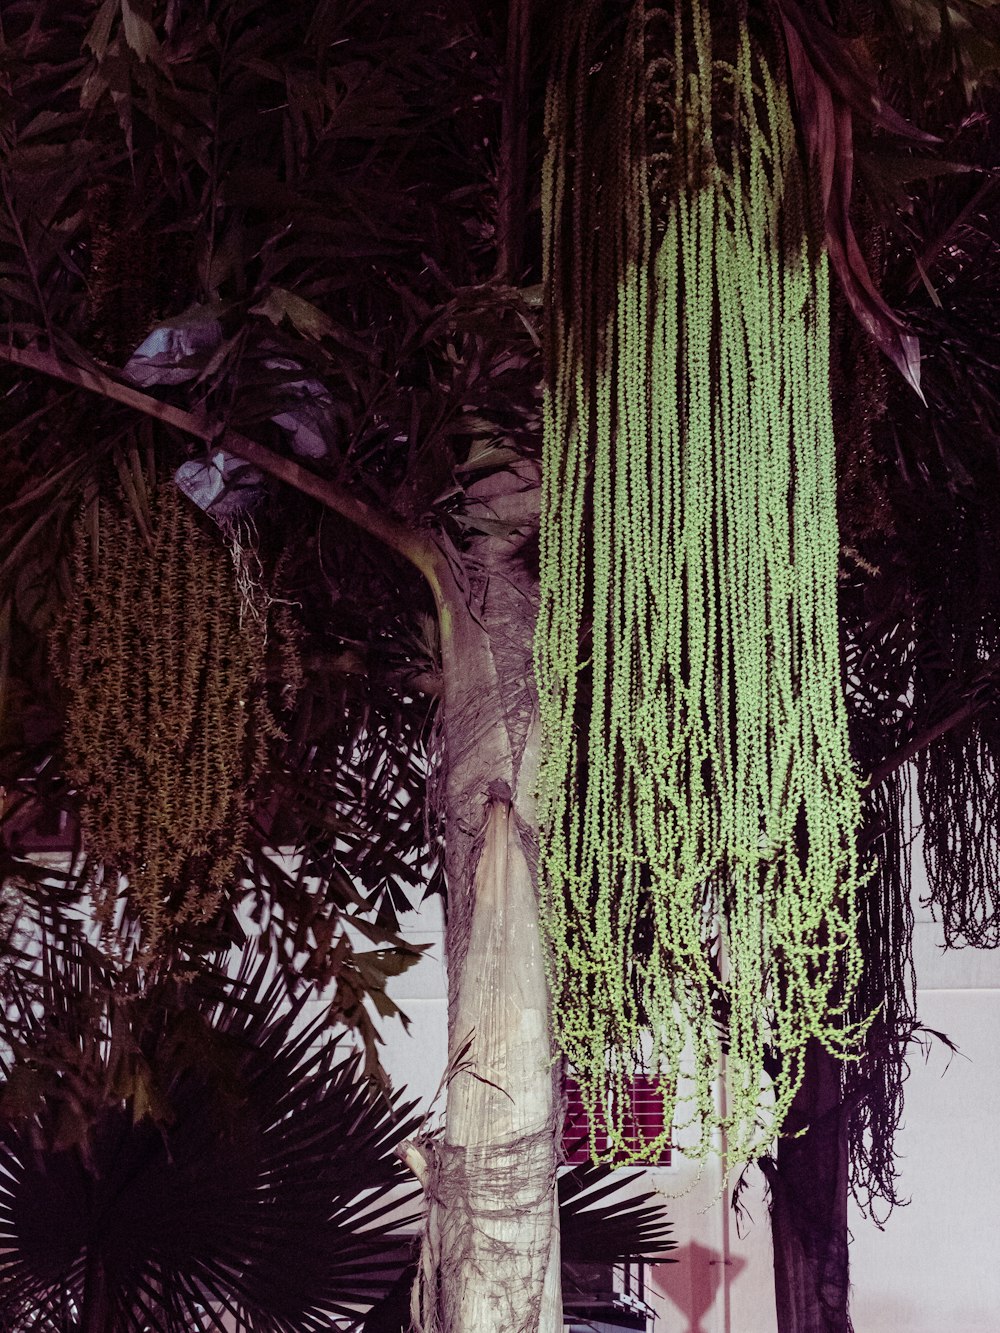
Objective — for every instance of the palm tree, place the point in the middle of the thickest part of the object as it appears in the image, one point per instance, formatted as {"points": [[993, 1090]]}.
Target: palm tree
{"points": [[354, 255], [300, 235]]}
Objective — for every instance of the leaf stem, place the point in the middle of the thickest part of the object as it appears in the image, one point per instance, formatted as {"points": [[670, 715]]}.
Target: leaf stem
{"points": [[418, 548], [29, 260], [513, 144], [912, 748]]}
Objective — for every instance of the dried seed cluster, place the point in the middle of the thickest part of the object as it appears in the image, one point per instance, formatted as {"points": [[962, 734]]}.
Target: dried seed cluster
{"points": [[167, 720]]}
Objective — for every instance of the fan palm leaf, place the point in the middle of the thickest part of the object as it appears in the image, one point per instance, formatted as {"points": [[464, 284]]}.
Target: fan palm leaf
{"points": [[197, 1149]]}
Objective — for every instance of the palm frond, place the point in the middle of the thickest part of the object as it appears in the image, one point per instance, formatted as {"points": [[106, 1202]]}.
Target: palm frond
{"points": [[221, 1155]]}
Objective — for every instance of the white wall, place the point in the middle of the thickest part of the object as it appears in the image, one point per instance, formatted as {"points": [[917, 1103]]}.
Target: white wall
{"points": [[417, 1059], [934, 1269], [722, 1279]]}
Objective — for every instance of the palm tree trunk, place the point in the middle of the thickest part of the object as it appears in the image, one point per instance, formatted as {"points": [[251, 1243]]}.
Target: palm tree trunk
{"points": [[94, 1317], [808, 1183], [496, 1169], [492, 1237]]}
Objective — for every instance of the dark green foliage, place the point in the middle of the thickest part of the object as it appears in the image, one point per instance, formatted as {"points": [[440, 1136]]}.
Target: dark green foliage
{"points": [[598, 1227], [189, 1149], [171, 1150], [921, 571], [314, 183]]}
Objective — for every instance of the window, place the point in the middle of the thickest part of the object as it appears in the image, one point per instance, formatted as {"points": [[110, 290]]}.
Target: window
{"points": [[642, 1120]]}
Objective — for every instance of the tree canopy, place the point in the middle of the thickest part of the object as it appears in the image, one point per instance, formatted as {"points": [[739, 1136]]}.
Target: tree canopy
{"points": [[291, 257]]}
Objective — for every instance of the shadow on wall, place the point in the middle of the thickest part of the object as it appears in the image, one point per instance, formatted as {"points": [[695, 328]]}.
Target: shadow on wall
{"points": [[693, 1282]]}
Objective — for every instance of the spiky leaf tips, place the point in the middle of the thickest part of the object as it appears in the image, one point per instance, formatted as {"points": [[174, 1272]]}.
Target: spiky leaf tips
{"points": [[167, 719], [696, 783], [242, 1168]]}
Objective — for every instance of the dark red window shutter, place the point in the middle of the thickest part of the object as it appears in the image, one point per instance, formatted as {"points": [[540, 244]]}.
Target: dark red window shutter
{"points": [[576, 1127], [643, 1119]]}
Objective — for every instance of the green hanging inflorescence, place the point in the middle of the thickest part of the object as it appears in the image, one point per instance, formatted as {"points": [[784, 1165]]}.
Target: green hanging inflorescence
{"points": [[699, 807]]}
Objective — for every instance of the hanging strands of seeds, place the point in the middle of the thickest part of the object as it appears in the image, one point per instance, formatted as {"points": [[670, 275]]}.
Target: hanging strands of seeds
{"points": [[958, 780], [879, 671], [167, 719], [698, 799], [873, 1085]]}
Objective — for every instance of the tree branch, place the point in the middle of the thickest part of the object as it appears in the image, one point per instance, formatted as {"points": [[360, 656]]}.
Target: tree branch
{"points": [[921, 742], [415, 1158], [413, 546]]}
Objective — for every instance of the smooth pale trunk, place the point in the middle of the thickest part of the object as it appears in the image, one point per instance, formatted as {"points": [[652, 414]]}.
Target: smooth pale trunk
{"points": [[491, 1259], [499, 1248]]}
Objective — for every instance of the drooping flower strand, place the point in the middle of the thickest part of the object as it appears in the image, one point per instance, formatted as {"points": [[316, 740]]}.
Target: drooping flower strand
{"points": [[696, 777]]}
